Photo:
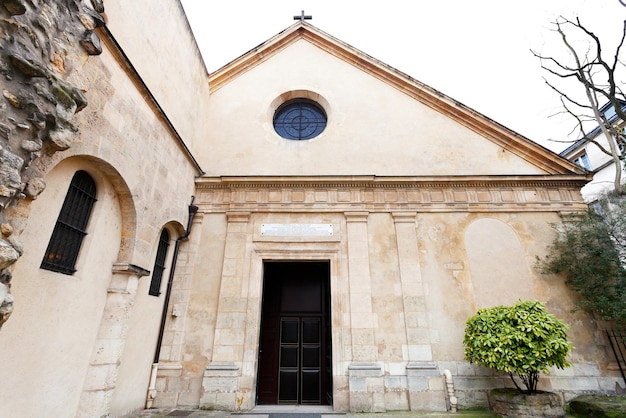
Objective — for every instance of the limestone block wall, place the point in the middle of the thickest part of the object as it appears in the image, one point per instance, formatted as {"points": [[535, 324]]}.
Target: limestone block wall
{"points": [[91, 336], [406, 273], [174, 71]]}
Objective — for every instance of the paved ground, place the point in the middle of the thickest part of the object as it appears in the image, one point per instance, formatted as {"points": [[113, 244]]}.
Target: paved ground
{"points": [[282, 412]]}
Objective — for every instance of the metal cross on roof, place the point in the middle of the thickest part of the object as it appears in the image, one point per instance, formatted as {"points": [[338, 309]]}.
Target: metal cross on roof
{"points": [[303, 17]]}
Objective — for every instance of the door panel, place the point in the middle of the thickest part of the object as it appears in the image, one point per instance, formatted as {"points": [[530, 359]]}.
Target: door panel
{"points": [[300, 344]]}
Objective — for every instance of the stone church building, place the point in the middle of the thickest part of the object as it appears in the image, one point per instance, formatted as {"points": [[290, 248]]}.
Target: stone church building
{"points": [[346, 220]]}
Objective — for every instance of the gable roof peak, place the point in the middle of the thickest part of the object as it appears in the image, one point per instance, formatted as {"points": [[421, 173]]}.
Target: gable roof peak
{"points": [[436, 100]]}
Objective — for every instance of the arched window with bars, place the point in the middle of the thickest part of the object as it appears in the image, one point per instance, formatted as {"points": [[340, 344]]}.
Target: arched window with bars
{"points": [[159, 264], [71, 226]]}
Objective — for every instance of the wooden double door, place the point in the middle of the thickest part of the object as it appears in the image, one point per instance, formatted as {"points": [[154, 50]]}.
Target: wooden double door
{"points": [[295, 344]]}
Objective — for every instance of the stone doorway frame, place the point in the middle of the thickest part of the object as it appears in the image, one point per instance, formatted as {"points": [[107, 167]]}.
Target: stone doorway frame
{"points": [[337, 281]]}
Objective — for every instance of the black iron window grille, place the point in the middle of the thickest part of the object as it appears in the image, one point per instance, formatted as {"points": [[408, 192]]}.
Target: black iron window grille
{"points": [[159, 264], [617, 339], [71, 225], [299, 119]]}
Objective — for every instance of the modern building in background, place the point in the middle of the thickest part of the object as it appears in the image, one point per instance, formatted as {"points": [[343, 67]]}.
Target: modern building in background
{"points": [[589, 156], [346, 221]]}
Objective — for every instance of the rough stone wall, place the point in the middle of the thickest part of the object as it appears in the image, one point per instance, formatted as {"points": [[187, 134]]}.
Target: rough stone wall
{"points": [[42, 42]]}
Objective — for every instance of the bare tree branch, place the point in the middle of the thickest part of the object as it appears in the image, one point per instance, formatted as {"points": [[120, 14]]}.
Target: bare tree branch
{"points": [[597, 78]]}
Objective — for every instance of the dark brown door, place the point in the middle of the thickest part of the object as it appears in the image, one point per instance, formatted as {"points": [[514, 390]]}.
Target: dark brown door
{"points": [[294, 354]]}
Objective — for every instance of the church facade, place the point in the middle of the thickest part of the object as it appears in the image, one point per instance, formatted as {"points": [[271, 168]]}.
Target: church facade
{"points": [[346, 220]]}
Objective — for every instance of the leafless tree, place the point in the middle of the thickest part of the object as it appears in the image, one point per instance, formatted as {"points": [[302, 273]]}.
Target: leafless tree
{"points": [[586, 65]]}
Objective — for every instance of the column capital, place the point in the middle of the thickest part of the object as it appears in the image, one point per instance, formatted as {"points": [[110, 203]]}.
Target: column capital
{"points": [[356, 216], [404, 217], [242, 217]]}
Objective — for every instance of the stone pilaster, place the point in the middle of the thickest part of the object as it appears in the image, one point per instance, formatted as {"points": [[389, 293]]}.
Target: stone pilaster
{"points": [[221, 377], [100, 381], [424, 381], [365, 376], [413, 292], [362, 317]]}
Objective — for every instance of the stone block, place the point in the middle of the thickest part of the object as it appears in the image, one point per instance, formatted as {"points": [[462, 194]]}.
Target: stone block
{"points": [[247, 383], [220, 384], [207, 400], [360, 302], [415, 304], [358, 384], [161, 384], [608, 384], [229, 336], [225, 401], [365, 369], [396, 368], [578, 383], [177, 384], [364, 353], [165, 354], [107, 351], [427, 401], [169, 370], [378, 401], [189, 399], [341, 401], [375, 384], [165, 400], [94, 403], [476, 383], [422, 368], [417, 335], [466, 369], [436, 383], [396, 401], [221, 368], [361, 402], [235, 320], [195, 385], [418, 384], [577, 369], [100, 377], [363, 336], [393, 383], [362, 320], [449, 365], [419, 352]]}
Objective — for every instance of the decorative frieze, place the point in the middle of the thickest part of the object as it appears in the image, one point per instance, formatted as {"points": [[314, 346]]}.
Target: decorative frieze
{"points": [[397, 194]]}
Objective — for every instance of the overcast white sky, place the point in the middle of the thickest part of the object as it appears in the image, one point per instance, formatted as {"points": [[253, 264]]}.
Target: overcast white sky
{"points": [[477, 52]]}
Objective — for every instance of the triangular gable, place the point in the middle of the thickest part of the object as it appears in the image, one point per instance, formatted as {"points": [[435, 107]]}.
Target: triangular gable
{"points": [[509, 140]]}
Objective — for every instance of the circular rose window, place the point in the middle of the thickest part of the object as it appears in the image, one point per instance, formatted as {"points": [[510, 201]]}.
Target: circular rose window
{"points": [[299, 119]]}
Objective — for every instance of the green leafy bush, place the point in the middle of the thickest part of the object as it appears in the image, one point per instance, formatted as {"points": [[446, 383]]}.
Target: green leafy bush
{"points": [[591, 251], [522, 340]]}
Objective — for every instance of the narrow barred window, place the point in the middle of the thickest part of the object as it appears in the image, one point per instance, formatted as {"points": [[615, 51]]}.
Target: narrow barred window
{"points": [[159, 264], [71, 226]]}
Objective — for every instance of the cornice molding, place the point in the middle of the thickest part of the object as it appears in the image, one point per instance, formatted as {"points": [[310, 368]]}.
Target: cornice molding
{"points": [[272, 182]]}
